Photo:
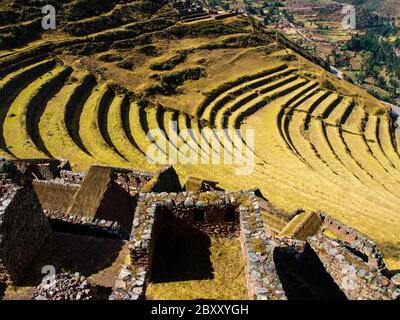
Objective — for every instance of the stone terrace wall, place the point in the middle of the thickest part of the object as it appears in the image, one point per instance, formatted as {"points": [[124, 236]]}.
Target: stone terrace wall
{"points": [[85, 225], [351, 273], [261, 275], [357, 240], [274, 218], [23, 229], [132, 180]]}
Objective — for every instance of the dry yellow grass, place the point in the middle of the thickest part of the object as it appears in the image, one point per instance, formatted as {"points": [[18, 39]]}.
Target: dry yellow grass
{"points": [[15, 125], [321, 166], [54, 131]]}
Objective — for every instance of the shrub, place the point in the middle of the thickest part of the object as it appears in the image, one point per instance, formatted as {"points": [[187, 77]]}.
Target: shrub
{"points": [[170, 82], [171, 63], [243, 41], [328, 85], [16, 35], [142, 102], [126, 64], [109, 57], [204, 29], [149, 50], [288, 57], [142, 40], [82, 9], [88, 48]]}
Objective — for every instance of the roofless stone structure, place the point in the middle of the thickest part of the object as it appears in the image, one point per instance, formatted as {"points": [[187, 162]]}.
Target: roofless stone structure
{"points": [[286, 255]]}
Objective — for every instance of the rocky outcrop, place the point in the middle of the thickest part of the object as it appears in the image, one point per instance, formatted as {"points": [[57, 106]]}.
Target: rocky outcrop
{"points": [[64, 286]]}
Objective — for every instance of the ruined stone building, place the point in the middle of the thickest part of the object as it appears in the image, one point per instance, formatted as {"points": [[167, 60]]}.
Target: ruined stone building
{"points": [[189, 10], [286, 255]]}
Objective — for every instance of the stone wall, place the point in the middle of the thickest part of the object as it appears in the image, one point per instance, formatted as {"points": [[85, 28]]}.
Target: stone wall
{"points": [[263, 282], [109, 197], [274, 218], [63, 222], [357, 241], [302, 226], [244, 219], [353, 275], [23, 229], [135, 205], [194, 184], [132, 180], [43, 169], [99, 197], [72, 177], [113, 216]]}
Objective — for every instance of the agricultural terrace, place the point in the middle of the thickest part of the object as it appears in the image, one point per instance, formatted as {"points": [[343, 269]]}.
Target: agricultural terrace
{"points": [[92, 90]]}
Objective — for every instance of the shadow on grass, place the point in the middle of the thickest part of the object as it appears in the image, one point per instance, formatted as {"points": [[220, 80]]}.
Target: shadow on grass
{"points": [[73, 253], [182, 253]]}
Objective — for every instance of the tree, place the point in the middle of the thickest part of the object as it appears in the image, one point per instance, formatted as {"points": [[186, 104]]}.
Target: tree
{"points": [[214, 3], [361, 76], [328, 60], [397, 42]]}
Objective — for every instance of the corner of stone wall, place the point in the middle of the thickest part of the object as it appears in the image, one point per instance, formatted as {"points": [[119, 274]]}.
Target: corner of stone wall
{"points": [[23, 230], [262, 278], [352, 275]]}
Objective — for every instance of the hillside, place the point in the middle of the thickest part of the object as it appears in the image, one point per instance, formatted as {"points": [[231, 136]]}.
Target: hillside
{"points": [[382, 7], [91, 90]]}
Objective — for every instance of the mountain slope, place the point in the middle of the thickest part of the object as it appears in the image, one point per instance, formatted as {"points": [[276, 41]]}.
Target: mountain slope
{"points": [[320, 143]]}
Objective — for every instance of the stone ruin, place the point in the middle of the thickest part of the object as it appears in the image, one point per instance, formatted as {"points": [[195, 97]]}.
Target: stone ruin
{"points": [[325, 268], [64, 286], [102, 201], [189, 10], [23, 225], [286, 255]]}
